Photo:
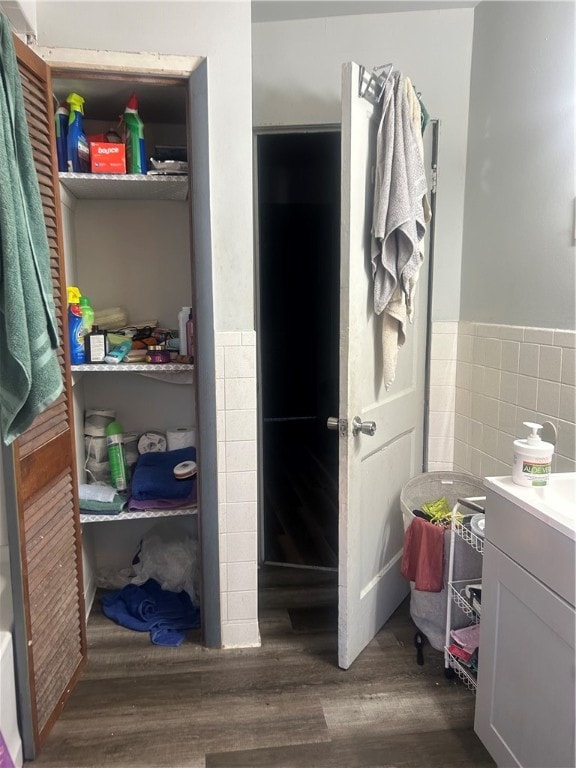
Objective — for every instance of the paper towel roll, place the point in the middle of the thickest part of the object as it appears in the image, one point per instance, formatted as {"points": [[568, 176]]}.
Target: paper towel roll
{"points": [[183, 437]]}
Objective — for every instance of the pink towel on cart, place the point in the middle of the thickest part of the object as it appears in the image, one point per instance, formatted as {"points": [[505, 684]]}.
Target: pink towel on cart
{"points": [[423, 557]]}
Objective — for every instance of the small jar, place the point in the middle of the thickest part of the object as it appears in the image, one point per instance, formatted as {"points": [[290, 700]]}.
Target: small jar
{"points": [[157, 355]]}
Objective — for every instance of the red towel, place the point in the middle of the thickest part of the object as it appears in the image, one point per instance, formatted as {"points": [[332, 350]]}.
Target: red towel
{"points": [[423, 558]]}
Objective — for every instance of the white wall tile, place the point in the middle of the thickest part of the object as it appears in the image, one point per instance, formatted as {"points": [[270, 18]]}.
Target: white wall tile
{"points": [[529, 359], [241, 635], [222, 482], [462, 455], [490, 440], [509, 387], [442, 398], [219, 362], [241, 577], [441, 424], [445, 326], [510, 356], [465, 348], [563, 464], [550, 366], [463, 402], [240, 394], [464, 375], [241, 425], [443, 373], [477, 381], [440, 449], [241, 456], [527, 392], [221, 424], [227, 338], [444, 346], [491, 382], [566, 445], [249, 338], [242, 605], [567, 410], [512, 332], [569, 366], [548, 401], [475, 431], [467, 328], [439, 466], [488, 330], [461, 428], [565, 339], [220, 395], [241, 517], [493, 353], [241, 486], [539, 335], [479, 351], [241, 547], [240, 362]]}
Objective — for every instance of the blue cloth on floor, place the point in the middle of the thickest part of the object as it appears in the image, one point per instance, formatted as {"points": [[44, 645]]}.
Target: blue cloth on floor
{"points": [[149, 608], [154, 475]]}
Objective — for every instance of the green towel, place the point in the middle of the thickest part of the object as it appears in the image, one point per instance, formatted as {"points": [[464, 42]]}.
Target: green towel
{"points": [[30, 377]]}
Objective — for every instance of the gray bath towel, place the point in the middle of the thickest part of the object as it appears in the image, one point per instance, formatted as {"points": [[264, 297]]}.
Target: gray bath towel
{"points": [[399, 218], [30, 377]]}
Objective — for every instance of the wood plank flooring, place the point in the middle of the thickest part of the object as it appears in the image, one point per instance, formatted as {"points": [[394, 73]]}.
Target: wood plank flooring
{"points": [[284, 704]]}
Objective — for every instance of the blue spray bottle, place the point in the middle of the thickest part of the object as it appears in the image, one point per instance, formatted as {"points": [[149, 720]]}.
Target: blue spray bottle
{"points": [[75, 327], [76, 143], [61, 119]]}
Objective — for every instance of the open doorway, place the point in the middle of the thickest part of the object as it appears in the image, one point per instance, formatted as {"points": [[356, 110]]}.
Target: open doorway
{"points": [[298, 297]]}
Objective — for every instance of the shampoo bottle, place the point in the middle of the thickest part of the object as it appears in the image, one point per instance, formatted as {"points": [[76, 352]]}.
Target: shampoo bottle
{"points": [[61, 119], [532, 458], [87, 314], [134, 138], [117, 456], [76, 143], [75, 327]]}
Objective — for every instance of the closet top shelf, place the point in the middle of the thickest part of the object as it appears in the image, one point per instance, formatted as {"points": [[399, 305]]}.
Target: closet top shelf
{"points": [[109, 186]]}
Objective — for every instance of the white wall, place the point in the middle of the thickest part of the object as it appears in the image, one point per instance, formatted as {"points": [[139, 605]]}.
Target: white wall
{"points": [[518, 262], [221, 31], [296, 81]]}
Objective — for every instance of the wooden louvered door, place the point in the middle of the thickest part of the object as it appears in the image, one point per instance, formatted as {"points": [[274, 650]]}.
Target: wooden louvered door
{"points": [[51, 617]]}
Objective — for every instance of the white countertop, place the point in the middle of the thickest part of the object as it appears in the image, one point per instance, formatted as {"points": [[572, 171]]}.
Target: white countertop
{"points": [[554, 503]]}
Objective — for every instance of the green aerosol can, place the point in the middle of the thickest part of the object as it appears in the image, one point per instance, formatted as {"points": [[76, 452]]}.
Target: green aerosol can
{"points": [[117, 456]]}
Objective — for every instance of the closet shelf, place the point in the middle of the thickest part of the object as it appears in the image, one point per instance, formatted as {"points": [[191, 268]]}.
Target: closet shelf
{"points": [[150, 368], [142, 513], [112, 186]]}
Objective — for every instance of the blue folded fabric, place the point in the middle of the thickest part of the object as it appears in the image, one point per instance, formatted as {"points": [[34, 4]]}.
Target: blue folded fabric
{"points": [[149, 608], [154, 475]]}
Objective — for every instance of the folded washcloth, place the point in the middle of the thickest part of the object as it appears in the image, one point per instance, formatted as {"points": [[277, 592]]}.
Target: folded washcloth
{"points": [[149, 608], [423, 556], [154, 475], [135, 505]]}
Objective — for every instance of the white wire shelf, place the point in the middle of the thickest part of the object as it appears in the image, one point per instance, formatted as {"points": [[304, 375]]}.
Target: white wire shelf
{"points": [[464, 673], [140, 514], [125, 186], [459, 597], [133, 367], [476, 542]]}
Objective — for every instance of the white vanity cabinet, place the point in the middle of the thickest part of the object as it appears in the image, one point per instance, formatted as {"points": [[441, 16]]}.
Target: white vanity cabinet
{"points": [[525, 706]]}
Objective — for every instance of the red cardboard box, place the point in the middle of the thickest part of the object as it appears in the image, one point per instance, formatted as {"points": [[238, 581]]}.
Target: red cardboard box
{"points": [[106, 157]]}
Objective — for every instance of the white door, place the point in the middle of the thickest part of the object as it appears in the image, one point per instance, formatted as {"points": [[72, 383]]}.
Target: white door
{"points": [[372, 469]]}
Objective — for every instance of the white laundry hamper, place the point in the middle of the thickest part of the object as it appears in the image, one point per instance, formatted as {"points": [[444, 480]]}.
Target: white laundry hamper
{"points": [[428, 609]]}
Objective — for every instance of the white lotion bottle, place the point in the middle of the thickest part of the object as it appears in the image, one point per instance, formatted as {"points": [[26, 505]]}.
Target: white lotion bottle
{"points": [[532, 459], [183, 316]]}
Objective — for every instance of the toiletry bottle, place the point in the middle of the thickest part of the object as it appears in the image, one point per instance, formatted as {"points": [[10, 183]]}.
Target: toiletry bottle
{"points": [[183, 316], [61, 118], [76, 143], [134, 138], [532, 458], [190, 336], [95, 345], [117, 456], [87, 314], [75, 327], [119, 352]]}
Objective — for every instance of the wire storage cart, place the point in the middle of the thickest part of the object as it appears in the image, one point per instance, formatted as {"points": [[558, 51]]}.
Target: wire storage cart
{"points": [[428, 610]]}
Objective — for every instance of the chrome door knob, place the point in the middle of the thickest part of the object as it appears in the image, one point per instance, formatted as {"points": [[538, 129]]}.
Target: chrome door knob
{"points": [[364, 427]]}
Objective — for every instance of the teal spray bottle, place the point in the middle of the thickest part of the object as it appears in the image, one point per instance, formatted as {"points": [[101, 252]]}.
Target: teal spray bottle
{"points": [[133, 130], [77, 143], [117, 456], [61, 118]]}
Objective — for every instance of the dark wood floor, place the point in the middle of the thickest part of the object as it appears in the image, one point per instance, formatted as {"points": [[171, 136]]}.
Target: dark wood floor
{"points": [[282, 705]]}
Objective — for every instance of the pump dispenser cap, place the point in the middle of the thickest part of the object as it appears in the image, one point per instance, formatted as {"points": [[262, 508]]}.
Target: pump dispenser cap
{"points": [[534, 437]]}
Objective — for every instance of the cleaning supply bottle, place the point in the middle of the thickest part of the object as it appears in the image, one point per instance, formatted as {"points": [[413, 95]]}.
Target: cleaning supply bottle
{"points": [[183, 316], [117, 456], [61, 119], [76, 143], [190, 336], [75, 327], [87, 314], [134, 138], [95, 345], [532, 458]]}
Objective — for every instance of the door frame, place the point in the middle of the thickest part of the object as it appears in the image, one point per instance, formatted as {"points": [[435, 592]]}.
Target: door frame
{"points": [[281, 130]]}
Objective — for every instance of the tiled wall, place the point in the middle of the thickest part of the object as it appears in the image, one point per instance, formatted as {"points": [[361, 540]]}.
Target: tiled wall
{"points": [[237, 486], [488, 379]]}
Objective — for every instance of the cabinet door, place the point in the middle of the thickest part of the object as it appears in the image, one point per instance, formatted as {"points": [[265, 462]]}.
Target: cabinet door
{"points": [[43, 512], [525, 701]]}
